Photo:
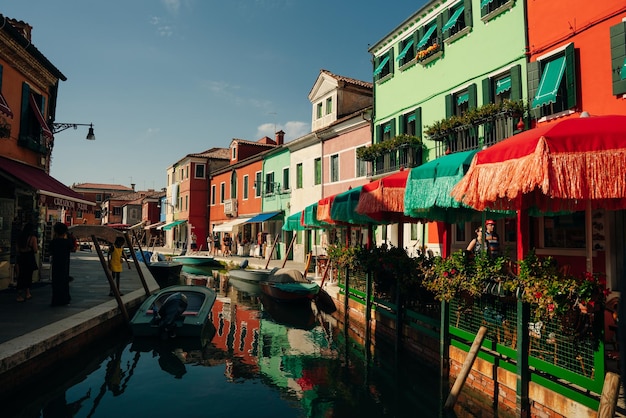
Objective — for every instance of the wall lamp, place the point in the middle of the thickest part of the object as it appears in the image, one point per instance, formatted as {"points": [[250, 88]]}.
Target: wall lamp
{"points": [[58, 127]]}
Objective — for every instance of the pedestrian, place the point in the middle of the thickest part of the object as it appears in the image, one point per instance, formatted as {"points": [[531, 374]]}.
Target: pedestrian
{"points": [[60, 248], [476, 245], [209, 243], [228, 242], [492, 238], [216, 244], [194, 242], [115, 254], [27, 248]]}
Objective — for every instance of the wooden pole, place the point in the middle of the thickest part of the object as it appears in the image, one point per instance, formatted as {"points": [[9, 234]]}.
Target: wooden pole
{"points": [[116, 292], [293, 239], [610, 393], [137, 266], [308, 263], [269, 257], [467, 367]]}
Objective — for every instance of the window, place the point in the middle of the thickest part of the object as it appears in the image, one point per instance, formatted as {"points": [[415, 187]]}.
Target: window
{"points": [[97, 214], [383, 65], [258, 184], [222, 192], [319, 111], [491, 8], [429, 43], [386, 131], [407, 50], [79, 214], [411, 123], [329, 105], [269, 183], [117, 210], [618, 58], [458, 20], [299, 176], [334, 168], [98, 197], [246, 180], [32, 122], [414, 232], [552, 82], [503, 86], [567, 231], [318, 171], [213, 194], [233, 153], [361, 166], [200, 171], [285, 185], [461, 102]]}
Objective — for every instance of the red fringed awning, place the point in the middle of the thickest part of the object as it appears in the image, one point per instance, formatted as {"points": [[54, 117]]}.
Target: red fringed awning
{"points": [[323, 209], [556, 167], [383, 199]]}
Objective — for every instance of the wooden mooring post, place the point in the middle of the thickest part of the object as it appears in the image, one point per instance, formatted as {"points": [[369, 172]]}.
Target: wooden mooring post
{"points": [[610, 393], [465, 370]]}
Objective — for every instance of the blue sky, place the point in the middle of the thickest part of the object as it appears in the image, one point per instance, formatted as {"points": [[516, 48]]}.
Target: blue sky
{"points": [[160, 79]]}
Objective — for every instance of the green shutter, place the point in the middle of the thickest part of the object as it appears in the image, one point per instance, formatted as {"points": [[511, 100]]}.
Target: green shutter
{"points": [[487, 91], [418, 122], [392, 125], [516, 82], [402, 119], [438, 32], [473, 100], [618, 55], [24, 119], [533, 75], [570, 75], [449, 105], [379, 134], [467, 13], [446, 17]]}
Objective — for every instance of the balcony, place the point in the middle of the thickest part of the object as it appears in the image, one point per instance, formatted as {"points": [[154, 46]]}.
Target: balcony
{"points": [[404, 156]]}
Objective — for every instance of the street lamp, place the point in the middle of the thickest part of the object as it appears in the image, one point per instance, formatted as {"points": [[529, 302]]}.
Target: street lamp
{"points": [[58, 127]]}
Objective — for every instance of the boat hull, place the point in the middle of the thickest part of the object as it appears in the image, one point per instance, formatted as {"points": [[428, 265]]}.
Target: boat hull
{"points": [[192, 323], [166, 273], [195, 260], [290, 291], [251, 275]]}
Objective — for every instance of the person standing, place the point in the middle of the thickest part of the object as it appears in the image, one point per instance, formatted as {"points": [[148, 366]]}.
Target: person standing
{"points": [[476, 244], [115, 254], [216, 244], [60, 248], [492, 238], [209, 242], [26, 261], [228, 242]]}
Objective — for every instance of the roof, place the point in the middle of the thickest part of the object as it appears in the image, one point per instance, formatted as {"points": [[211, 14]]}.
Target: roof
{"points": [[216, 153], [348, 80], [102, 186]]}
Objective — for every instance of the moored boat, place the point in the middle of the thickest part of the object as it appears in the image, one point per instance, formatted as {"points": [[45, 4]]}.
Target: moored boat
{"points": [[289, 285], [195, 259], [166, 273], [251, 275], [175, 311]]}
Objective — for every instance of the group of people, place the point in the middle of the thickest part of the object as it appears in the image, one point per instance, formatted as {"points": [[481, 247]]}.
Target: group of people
{"points": [[226, 244], [491, 239], [60, 247]]}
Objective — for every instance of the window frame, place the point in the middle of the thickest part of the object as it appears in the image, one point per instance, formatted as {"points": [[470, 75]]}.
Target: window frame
{"points": [[286, 184], [200, 167], [317, 171], [299, 176], [258, 184], [333, 167], [213, 194], [246, 186]]}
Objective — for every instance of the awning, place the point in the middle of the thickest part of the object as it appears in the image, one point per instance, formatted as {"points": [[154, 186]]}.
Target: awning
{"points": [[426, 36], [405, 50], [344, 206], [463, 98], [154, 225], [381, 65], [622, 71], [4, 107], [502, 85], [483, 3], [292, 223], [52, 193], [42, 122], [262, 217], [228, 226], [550, 82], [171, 225], [452, 21]]}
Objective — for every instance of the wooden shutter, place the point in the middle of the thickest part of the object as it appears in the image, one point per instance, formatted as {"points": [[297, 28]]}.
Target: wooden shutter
{"points": [[418, 122], [467, 13], [487, 91], [516, 82], [618, 55], [570, 75], [533, 75], [473, 100], [449, 105]]}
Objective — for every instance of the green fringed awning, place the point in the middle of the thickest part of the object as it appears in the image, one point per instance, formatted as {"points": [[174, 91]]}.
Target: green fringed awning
{"points": [[427, 193], [343, 208], [292, 223], [310, 220]]}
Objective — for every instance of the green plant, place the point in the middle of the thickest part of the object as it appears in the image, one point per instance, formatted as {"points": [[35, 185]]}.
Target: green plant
{"points": [[446, 277], [379, 149]]}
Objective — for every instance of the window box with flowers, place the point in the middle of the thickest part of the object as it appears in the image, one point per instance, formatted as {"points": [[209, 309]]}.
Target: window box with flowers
{"points": [[429, 54], [379, 149]]}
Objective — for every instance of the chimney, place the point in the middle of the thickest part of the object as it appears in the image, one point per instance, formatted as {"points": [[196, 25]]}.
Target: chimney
{"points": [[132, 185], [280, 137]]}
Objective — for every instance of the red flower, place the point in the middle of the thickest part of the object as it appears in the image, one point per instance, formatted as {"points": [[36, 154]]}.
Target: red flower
{"points": [[538, 295], [453, 271], [445, 274]]}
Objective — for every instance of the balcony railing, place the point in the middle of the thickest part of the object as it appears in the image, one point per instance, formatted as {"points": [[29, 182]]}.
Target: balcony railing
{"points": [[469, 137], [403, 156]]}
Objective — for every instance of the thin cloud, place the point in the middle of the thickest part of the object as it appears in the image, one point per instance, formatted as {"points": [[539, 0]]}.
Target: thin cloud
{"points": [[163, 29], [292, 129], [172, 6]]}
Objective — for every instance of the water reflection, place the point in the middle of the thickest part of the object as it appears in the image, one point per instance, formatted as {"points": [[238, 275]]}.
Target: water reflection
{"points": [[261, 358]]}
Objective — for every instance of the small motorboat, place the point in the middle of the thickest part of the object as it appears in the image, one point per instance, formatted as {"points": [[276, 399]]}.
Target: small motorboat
{"points": [[166, 273], [175, 311], [195, 259], [251, 275], [289, 285], [249, 287]]}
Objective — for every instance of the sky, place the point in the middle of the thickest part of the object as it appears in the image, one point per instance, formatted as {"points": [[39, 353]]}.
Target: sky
{"points": [[161, 79]]}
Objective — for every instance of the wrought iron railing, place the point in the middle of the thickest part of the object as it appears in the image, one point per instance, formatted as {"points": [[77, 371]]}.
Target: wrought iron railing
{"points": [[402, 157]]}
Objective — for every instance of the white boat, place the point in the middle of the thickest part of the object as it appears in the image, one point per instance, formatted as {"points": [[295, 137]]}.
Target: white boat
{"points": [[251, 275]]}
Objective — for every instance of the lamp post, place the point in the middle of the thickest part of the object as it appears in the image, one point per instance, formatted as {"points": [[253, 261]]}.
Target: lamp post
{"points": [[58, 127]]}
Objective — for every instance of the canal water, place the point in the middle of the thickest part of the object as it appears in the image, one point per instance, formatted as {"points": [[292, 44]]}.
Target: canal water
{"points": [[261, 359]]}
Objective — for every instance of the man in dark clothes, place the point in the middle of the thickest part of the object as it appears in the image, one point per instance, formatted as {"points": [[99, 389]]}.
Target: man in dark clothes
{"points": [[60, 247]]}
